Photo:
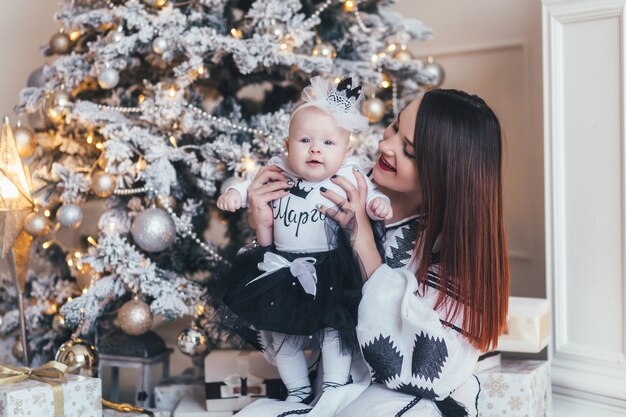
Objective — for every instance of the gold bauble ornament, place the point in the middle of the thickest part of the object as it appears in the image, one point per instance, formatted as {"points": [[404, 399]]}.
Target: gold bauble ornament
{"points": [[36, 225], [160, 45], [153, 230], [385, 82], [58, 322], [324, 50], [103, 184], [192, 341], [349, 6], [56, 104], [403, 55], [17, 350], [135, 317], [25, 140], [80, 356], [60, 43], [155, 3], [164, 202], [374, 109]]}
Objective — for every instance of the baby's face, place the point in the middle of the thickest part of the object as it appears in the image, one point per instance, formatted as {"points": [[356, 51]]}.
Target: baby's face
{"points": [[317, 147]]}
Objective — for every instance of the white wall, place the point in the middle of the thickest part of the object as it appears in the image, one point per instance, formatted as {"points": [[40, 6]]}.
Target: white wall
{"points": [[492, 48], [25, 25], [584, 62]]}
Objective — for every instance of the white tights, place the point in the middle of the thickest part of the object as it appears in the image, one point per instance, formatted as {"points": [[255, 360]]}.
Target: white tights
{"points": [[292, 364]]}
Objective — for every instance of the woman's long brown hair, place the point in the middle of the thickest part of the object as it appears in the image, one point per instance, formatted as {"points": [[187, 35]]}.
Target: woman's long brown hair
{"points": [[458, 149]]}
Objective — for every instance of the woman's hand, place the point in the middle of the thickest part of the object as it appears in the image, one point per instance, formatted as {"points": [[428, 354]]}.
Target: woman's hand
{"points": [[268, 185], [350, 214]]}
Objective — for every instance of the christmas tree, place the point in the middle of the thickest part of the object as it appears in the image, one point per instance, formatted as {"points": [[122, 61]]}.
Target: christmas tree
{"points": [[149, 108]]}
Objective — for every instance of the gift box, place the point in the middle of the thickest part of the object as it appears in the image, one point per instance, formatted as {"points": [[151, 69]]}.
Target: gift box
{"points": [[193, 405], [528, 326], [516, 388], [169, 392], [77, 396], [235, 378], [155, 413]]}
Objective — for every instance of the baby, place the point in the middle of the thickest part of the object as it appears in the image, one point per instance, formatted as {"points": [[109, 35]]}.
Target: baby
{"points": [[308, 284]]}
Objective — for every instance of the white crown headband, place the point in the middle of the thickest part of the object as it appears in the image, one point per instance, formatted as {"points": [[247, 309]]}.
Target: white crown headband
{"points": [[340, 102]]}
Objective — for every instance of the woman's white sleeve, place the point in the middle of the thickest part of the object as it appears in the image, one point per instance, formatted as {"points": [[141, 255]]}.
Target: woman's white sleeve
{"points": [[403, 339]]}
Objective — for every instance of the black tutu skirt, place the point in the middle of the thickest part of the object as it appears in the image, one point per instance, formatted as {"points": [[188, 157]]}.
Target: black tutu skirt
{"points": [[278, 302]]}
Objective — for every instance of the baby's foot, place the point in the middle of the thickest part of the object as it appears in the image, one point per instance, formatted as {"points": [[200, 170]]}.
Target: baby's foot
{"points": [[300, 395]]}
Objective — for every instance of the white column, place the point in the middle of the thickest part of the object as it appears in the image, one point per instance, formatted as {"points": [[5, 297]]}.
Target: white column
{"points": [[585, 166]]}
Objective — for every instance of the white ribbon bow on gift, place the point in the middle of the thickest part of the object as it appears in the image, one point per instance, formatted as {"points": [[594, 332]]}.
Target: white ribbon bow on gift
{"points": [[301, 268], [234, 386]]}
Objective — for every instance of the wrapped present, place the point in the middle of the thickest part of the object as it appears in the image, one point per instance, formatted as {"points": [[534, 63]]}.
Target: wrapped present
{"points": [[169, 392], [528, 325], [235, 378], [192, 405], [47, 392], [516, 388]]}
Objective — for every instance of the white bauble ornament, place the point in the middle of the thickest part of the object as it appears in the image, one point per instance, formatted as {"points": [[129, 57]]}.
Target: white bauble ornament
{"points": [[135, 317], [108, 78], [403, 55], [374, 109], [70, 215], [153, 230], [192, 341], [435, 73], [25, 140], [36, 225], [160, 45], [103, 184]]}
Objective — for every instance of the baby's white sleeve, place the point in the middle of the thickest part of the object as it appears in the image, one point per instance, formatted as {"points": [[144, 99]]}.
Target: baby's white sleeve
{"points": [[372, 193], [242, 189]]}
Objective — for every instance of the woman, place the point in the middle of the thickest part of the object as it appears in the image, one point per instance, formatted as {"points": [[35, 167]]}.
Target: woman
{"points": [[423, 325]]}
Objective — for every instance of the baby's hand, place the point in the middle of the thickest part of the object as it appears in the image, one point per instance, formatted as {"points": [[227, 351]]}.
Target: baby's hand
{"points": [[229, 201], [381, 208]]}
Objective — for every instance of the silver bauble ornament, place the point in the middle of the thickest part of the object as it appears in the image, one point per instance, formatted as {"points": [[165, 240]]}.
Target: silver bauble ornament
{"points": [[155, 3], [80, 356], [25, 140], [153, 230], [60, 43], [70, 215], [193, 341], [160, 45], [434, 72], [324, 50], [108, 78], [35, 78], [36, 225], [103, 184], [56, 104], [374, 109], [135, 317]]}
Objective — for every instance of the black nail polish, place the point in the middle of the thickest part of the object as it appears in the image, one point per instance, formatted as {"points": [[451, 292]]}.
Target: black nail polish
{"points": [[334, 176], [323, 189]]}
